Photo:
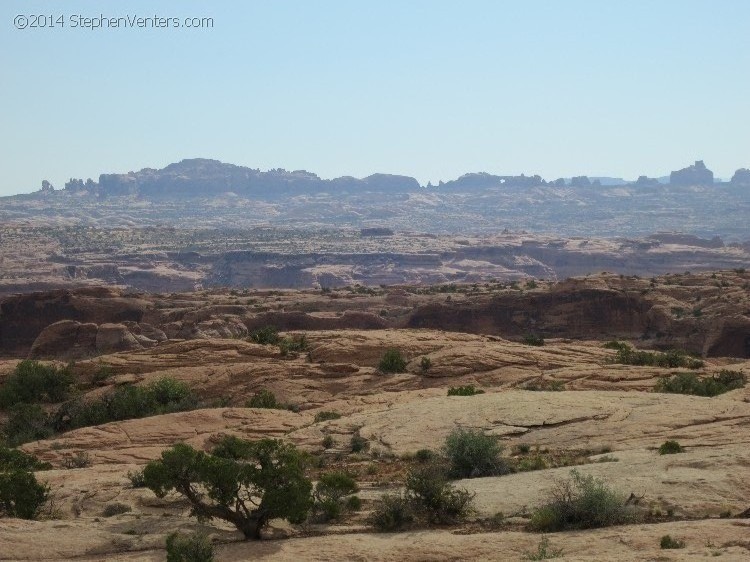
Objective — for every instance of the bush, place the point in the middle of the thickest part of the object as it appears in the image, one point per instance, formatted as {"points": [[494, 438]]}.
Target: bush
{"points": [[137, 480], [116, 508], [468, 390], [472, 454], [533, 339], [425, 363], [325, 416], [32, 382], [544, 551], [353, 503], [671, 359], [583, 502], [433, 499], [80, 460], [668, 542], [617, 345], [392, 362], [330, 491], [690, 383], [328, 441], [163, 396], [246, 483], [14, 459], [292, 346], [26, 422], [195, 547], [424, 455], [268, 335], [21, 495], [670, 448], [264, 399], [359, 444], [392, 513]]}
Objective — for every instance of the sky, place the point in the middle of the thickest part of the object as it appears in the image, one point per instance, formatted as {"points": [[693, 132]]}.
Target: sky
{"points": [[427, 88]]}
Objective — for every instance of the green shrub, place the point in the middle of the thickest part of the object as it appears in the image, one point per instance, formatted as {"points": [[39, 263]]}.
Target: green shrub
{"points": [[392, 362], [359, 444], [425, 363], [293, 346], [136, 478], [330, 491], [671, 359], [468, 390], [668, 542], [80, 460], [434, 499], [26, 422], [690, 383], [195, 547], [472, 454], [102, 373], [670, 448], [392, 513], [532, 339], [424, 455], [617, 345], [15, 459], [163, 396], [328, 441], [583, 502], [246, 483], [265, 399], [325, 416], [353, 503], [268, 335], [544, 551], [32, 382], [115, 508], [21, 495]]}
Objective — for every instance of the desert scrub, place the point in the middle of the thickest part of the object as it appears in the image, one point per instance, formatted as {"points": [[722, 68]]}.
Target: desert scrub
{"points": [[544, 551], [392, 362], [359, 444], [392, 513], [425, 364], [32, 382], [26, 422], [667, 542], [15, 459], [293, 345], [163, 396], [472, 454], [533, 339], [326, 415], [264, 399], [670, 448], [329, 494], [583, 502], [267, 335], [689, 383], [115, 508], [672, 359], [195, 547], [468, 390]]}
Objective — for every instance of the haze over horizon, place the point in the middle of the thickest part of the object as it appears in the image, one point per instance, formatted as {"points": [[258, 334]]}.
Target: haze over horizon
{"points": [[431, 90]]}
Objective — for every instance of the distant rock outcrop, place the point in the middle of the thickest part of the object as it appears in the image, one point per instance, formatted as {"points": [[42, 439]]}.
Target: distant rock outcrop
{"points": [[741, 177], [697, 174]]}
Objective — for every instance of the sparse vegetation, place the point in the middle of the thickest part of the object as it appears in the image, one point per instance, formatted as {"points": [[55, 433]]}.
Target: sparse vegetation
{"points": [[267, 335], [690, 383], [670, 448], [472, 454], [32, 382], [359, 444], [246, 483], [671, 359], [392, 513], [137, 480], [293, 345], [195, 547], [81, 459], [392, 362], [330, 491], [544, 551], [667, 542], [533, 339], [468, 390], [15, 459], [326, 415], [584, 502], [115, 508], [265, 399], [21, 495], [26, 422], [425, 364]]}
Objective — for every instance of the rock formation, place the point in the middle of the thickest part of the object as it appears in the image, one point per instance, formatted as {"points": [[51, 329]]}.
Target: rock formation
{"points": [[697, 174]]}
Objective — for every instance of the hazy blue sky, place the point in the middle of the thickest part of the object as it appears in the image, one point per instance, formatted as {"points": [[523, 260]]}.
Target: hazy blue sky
{"points": [[426, 88]]}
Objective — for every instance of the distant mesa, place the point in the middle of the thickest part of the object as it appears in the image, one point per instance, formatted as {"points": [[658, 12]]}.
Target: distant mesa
{"points": [[376, 231], [697, 174], [741, 177], [645, 181]]}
